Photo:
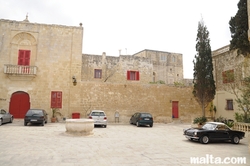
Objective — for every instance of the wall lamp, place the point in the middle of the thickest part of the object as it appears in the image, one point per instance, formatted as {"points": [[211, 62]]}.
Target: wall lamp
{"points": [[74, 80]]}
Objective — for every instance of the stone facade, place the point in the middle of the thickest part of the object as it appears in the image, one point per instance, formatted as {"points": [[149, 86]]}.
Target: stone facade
{"points": [[225, 60], [114, 69], [56, 53], [167, 67], [56, 57]]}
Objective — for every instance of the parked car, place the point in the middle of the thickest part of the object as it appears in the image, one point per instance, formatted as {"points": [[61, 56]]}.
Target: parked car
{"points": [[214, 131], [142, 119], [99, 118], [36, 116], [5, 117]]}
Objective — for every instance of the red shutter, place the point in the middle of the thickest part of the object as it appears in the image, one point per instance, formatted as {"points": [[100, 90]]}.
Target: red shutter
{"points": [[128, 75], [27, 58], [21, 57], [56, 99], [24, 57], [137, 75]]}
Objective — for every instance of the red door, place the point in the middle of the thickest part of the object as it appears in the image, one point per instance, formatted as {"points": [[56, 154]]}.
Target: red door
{"points": [[19, 104], [175, 112]]}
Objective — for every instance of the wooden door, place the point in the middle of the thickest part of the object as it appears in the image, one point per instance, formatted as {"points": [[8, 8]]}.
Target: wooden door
{"points": [[175, 111], [19, 104]]}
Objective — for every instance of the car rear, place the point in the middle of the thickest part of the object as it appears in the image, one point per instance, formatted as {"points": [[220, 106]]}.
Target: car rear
{"points": [[99, 117], [146, 119], [35, 116]]}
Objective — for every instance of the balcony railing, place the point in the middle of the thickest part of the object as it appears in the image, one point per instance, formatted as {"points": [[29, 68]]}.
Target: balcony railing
{"points": [[242, 126], [20, 70]]}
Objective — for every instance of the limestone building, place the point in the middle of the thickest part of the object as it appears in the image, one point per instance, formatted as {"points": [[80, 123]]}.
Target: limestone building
{"points": [[226, 64], [167, 67], [42, 66], [37, 63]]}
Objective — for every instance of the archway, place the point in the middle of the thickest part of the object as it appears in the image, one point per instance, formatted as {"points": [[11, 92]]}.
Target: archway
{"points": [[19, 104]]}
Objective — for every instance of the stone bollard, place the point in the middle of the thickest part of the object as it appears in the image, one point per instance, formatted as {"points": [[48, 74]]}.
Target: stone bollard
{"points": [[79, 126]]}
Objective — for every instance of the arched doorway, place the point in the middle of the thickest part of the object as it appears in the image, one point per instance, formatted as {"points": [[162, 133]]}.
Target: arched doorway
{"points": [[19, 104]]}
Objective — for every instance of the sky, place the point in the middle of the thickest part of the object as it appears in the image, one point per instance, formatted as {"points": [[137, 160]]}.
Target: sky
{"points": [[133, 25]]}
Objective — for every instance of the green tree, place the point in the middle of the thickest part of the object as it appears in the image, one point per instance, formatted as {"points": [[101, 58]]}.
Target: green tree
{"points": [[204, 84], [243, 100], [239, 30]]}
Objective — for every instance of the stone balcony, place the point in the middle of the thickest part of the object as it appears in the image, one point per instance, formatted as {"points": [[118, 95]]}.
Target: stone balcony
{"points": [[19, 72]]}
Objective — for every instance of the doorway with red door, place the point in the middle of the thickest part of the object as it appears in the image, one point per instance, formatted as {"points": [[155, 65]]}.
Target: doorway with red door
{"points": [[175, 109], [19, 104]]}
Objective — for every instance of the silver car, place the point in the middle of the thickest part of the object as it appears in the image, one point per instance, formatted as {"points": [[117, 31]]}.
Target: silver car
{"points": [[99, 117], [5, 117]]}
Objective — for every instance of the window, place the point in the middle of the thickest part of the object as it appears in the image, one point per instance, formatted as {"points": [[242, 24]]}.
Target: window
{"points": [[228, 76], [229, 105], [163, 57], [56, 99], [173, 59], [98, 73], [24, 57], [133, 75]]}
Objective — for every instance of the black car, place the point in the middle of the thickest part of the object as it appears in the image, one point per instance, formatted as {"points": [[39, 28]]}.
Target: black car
{"points": [[35, 116], [142, 119], [214, 131]]}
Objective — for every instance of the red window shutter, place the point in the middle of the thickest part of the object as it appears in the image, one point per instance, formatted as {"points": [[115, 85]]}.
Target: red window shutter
{"points": [[27, 58], [128, 75], [137, 75], [24, 57], [56, 99], [20, 57]]}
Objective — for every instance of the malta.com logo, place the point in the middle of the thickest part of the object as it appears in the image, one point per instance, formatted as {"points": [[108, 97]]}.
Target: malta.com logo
{"points": [[210, 159]]}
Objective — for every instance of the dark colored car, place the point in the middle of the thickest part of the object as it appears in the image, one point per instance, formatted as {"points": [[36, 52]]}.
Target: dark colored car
{"points": [[142, 119], [214, 131], [5, 117], [35, 116]]}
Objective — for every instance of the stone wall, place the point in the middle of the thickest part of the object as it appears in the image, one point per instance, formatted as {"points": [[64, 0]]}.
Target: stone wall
{"points": [[114, 69], [56, 51], [167, 66], [130, 98]]}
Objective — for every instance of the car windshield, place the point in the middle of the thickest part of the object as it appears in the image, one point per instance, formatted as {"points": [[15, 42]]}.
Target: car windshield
{"points": [[209, 126], [146, 115], [35, 112], [97, 114], [3, 112]]}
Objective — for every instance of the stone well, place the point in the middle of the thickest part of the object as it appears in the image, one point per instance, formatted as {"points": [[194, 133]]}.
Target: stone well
{"points": [[79, 126]]}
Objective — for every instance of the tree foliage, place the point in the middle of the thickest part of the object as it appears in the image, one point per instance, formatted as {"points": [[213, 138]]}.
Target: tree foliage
{"points": [[239, 30], [204, 84], [243, 100]]}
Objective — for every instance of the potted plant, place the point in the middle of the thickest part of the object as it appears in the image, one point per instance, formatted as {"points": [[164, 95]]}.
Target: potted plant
{"points": [[53, 118], [200, 121]]}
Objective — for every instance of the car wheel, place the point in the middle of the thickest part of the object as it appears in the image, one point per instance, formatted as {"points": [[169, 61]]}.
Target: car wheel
{"points": [[0, 122], [43, 123], [25, 123], [204, 139], [11, 119], [130, 122], [137, 124], [151, 125], [235, 139], [105, 126]]}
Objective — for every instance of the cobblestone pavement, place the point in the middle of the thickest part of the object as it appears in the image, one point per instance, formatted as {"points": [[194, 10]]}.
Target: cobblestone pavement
{"points": [[116, 145]]}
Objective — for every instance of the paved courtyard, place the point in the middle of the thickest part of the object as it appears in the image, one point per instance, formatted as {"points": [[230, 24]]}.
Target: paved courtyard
{"points": [[116, 145]]}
